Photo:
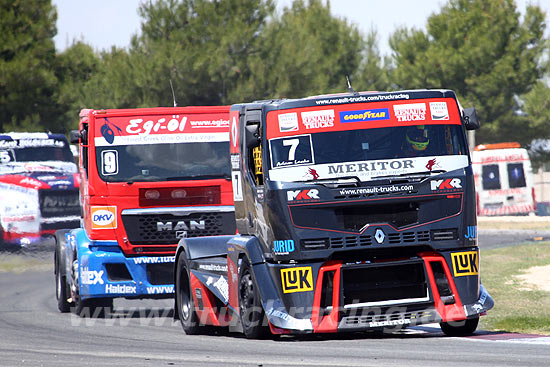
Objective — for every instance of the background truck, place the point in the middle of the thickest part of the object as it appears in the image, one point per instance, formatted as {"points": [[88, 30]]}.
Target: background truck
{"points": [[150, 177], [504, 179], [354, 212], [38, 189]]}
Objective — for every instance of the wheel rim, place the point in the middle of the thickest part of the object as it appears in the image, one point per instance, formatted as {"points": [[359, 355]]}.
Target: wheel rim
{"points": [[246, 293], [185, 299]]}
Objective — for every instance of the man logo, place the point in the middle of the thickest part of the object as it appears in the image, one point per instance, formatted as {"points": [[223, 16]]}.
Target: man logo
{"points": [[465, 263], [297, 279]]}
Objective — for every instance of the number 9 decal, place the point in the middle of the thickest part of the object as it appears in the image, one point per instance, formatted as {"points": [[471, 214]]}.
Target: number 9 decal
{"points": [[109, 162]]}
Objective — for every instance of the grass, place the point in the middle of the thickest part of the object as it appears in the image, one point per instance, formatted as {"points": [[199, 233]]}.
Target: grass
{"points": [[510, 224], [517, 308], [18, 263]]}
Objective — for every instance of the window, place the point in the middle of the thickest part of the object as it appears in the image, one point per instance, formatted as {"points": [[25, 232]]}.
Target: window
{"points": [[490, 178]]}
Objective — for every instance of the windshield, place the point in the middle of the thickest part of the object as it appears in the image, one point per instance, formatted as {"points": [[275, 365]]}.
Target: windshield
{"points": [[161, 162], [35, 150]]}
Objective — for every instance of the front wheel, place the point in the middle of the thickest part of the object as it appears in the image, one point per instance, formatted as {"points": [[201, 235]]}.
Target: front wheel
{"points": [[61, 286], [460, 328], [185, 306], [250, 308]]}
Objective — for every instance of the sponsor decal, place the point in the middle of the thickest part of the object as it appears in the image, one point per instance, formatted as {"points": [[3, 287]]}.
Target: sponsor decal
{"points": [[292, 151], [377, 190], [365, 115], [222, 286], [31, 143], [465, 263], [311, 174], [91, 277], [279, 314], [283, 247], [139, 127], [439, 111], [154, 260], [288, 122], [180, 227], [235, 162], [237, 185], [318, 119], [160, 290], [410, 112], [449, 184], [120, 288], [108, 133], [298, 279], [104, 217], [213, 267], [389, 323], [344, 168], [516, 157], [28, 181], [471, 233], [432, 163], [299, 195]]}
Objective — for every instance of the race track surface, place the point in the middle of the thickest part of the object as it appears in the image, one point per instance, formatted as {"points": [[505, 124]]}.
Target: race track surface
{"points": [[142, 333]]}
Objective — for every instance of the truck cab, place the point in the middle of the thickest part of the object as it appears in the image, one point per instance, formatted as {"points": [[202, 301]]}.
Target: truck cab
{"points": [[149, 177], [354, 212]]}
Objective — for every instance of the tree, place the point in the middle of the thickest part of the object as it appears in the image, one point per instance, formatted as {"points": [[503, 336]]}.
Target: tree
{"points": [[480, 49], [306, 51], [27, 53]]}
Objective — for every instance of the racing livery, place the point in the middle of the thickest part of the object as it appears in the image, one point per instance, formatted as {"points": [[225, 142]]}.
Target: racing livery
{"points": [[354, 212], [149, 178], [38, 186]]}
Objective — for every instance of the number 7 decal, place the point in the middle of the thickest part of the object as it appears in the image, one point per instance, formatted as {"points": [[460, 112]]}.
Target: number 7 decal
{"points": [[293, 145]]}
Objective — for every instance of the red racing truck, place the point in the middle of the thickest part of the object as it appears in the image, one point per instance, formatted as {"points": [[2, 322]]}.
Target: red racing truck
{"points": [[354, 212], [149, 177]]}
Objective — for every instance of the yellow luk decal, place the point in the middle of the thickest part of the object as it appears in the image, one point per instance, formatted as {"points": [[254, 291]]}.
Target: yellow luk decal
{"points": [[297, 279], [465, 263]]}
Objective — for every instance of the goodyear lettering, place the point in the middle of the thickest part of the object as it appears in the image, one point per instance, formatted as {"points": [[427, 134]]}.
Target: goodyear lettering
{"points": [[465, 263], [283, 247], [365, 115], [297, 279]]}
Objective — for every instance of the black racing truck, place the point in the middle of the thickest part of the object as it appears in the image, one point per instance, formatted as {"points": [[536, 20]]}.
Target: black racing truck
{"points": [[354, 212]]}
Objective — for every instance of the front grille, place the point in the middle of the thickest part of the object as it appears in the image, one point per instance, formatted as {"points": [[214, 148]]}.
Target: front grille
{"points": [[168, 229], [367, 240], [384, 284], [444, 234], [59, 203]]}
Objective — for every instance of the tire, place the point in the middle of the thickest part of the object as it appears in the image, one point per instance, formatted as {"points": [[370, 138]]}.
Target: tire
{"points": [[185, 305], [250, 308], [61, 286], [460, 328]]}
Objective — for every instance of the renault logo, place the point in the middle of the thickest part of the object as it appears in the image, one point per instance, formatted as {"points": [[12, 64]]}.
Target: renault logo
{"points": [[379, 235]]}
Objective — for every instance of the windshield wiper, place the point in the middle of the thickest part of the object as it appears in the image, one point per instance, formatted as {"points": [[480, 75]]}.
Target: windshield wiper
{"points": [[199, 177], [413, 174]]}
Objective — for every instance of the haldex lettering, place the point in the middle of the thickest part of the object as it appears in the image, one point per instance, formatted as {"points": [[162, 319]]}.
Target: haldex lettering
{"points": [[120, 288]]}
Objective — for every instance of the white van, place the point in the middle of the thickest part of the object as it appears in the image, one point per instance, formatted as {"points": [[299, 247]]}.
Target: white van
{"points": [[503, 179]]}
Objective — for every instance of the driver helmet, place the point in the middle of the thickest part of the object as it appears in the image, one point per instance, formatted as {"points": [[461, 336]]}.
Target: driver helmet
{"points": [[417, 137]]}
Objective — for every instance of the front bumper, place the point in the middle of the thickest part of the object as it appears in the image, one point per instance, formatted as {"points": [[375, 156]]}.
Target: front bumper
{"points": [[105, 272]]}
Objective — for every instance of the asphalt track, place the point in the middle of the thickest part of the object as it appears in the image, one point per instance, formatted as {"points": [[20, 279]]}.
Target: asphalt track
{"points": [[142, 333]]}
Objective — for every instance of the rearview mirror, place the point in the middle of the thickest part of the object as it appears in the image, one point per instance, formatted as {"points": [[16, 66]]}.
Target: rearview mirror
{"points": [[252, 137], [74, 136], [470, 119]]}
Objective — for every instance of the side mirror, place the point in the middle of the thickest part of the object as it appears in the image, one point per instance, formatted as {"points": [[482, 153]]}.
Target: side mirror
{"points": [[252, 136], [470, 119], [74, 136]]}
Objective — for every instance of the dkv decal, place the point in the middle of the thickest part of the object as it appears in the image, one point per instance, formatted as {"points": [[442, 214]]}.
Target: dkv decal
{"points": [[104, 217]]}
